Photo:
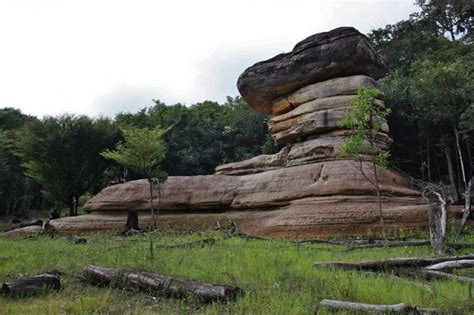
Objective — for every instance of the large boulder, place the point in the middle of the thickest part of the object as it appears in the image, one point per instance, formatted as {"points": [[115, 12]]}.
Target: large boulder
{"points": [[266, 190], [305, 218], [341, 52]]}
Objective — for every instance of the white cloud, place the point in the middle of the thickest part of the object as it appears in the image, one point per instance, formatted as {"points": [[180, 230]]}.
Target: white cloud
{"points": [[93, 56]]}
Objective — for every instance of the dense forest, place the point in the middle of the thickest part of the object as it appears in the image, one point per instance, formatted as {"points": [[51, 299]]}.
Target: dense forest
{"points": [[56, 162]]}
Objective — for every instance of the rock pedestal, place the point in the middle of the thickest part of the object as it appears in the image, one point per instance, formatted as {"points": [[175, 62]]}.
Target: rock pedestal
{"points": [[303, 191]]}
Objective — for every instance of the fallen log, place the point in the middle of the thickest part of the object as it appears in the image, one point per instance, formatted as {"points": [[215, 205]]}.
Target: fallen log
{"points": [[433, 275], [452, 264], [376, 308], [203, 242], [147, 281], [390, 264], [391, 244], [32, 286]]}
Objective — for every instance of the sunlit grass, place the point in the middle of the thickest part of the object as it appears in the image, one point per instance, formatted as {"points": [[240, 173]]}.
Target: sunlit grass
{"points": [[278, 277]]}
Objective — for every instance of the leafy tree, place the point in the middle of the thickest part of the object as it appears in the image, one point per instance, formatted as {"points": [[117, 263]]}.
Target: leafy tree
{"points": [[454, 17], [17, 193], [142, 150], [205, 134], [442, 95], [62, 154], [365, 119]]}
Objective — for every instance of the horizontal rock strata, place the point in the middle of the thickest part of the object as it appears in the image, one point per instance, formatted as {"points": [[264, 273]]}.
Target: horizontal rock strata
{"points": [[305, 218], [325, 147], [266, 190], [302, 192], [328, 88], [315, 117], [338, 53]]}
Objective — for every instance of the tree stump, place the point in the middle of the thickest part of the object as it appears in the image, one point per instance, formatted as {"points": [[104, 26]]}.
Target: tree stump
{"points": [[32, 286]]}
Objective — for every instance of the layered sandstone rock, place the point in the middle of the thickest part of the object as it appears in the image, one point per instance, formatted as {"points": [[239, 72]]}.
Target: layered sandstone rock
{"points": [[333, 87], [304, 191], [265, 190], [324, 147], [341, 52]]}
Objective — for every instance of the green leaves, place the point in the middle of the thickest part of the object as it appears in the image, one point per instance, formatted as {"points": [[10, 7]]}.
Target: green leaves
{"points": [[62, 154], [365, 119], [142, 151]]}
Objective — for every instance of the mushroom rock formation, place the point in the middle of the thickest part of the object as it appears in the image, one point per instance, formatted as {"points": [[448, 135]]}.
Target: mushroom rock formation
{"points": [[303, 191], [338, 53]]}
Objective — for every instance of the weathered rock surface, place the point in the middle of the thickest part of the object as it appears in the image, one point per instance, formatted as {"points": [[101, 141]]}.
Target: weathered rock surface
{"points": [[305, 218], [301, 192], [323, 148], [328, 88], [341, 52], [266, 190], [315, 117]]}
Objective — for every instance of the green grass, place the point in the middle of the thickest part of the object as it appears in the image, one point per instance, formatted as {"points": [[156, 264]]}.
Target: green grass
{"points": [[277, 276]]}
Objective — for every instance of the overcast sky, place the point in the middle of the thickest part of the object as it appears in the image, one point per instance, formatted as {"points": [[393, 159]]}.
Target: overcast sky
{"points": [[103, 57]]}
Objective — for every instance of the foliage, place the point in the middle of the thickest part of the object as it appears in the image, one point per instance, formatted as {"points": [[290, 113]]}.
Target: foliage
{"points": [[142, 150], [17, 193], [205, 134], [454, 17], [62, 155], [430, 56], [278, 277], [365, 119]]}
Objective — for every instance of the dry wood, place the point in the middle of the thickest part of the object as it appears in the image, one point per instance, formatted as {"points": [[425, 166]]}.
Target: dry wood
{"points": [[391, 244], [389, 264], [467, 208], [376, 308], [432, 274], [206, 241], [148, 281], [450, 265], [32, 286]]}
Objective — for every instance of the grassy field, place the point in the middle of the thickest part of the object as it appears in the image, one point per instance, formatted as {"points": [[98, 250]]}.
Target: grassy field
{"points": [[277, 276]]}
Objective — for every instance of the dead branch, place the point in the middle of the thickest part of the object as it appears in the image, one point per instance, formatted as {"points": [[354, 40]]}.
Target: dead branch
{"points": [[390, 264], [376, 308], [432, 274], [452, 264], [206, 241]]}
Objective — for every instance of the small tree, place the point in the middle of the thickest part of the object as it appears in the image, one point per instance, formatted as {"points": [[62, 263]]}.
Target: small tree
{"points": [[142, 151], [365, 118]]}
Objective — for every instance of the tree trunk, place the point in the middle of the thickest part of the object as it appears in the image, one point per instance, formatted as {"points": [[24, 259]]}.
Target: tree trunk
{"points": [[461, 162], [448, 266], [375, 308], [390, 264], [153, 219], [71, 209], [467, 208], [379, 199], [436, 230], [147, 281], [132, 221], [467, 187], [428, 159], [76, 204], [447, 153], [32, 286]]}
